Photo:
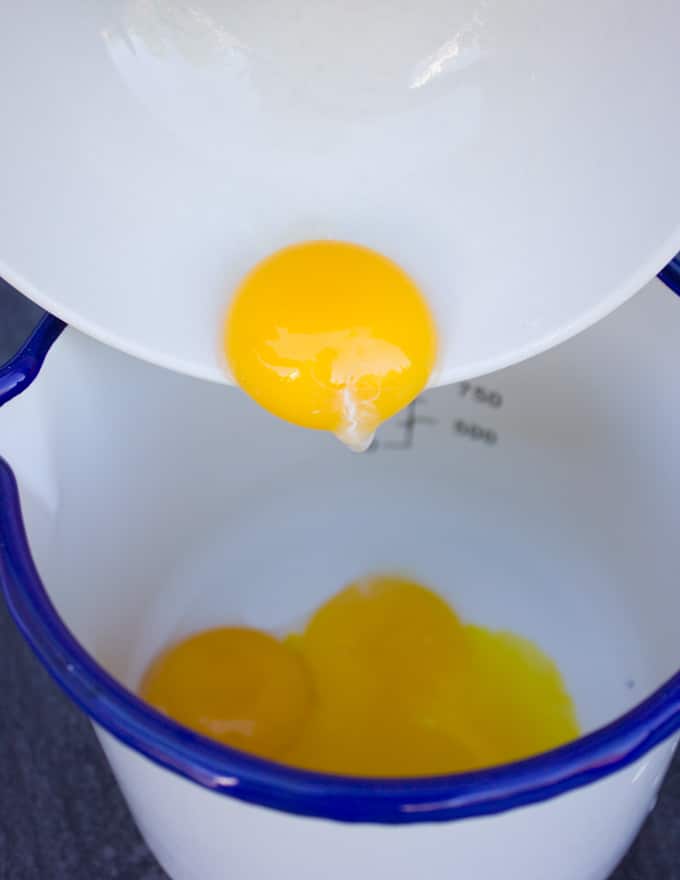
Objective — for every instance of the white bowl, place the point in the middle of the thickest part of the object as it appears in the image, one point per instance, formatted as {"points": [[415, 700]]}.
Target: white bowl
{"points": [[518, 158], [544, 500]]}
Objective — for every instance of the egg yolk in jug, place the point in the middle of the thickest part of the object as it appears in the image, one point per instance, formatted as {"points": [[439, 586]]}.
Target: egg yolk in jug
{"points": [[384, 680], [330, 335], [237, 685]]}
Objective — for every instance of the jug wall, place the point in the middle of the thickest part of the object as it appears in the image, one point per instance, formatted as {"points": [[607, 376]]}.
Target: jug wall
{"points": [[196, 833]]}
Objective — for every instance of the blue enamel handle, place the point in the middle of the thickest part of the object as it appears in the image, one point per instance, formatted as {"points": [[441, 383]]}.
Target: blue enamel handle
{"points": [[22, 368], [671, 275]]}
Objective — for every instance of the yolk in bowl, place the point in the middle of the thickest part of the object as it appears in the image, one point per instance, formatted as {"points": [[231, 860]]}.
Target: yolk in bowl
{"points": [[330, 335], [384, 680], [240, 686]]}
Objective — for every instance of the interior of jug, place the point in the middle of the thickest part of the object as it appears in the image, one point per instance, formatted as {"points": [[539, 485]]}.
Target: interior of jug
{"points": [[541, 500]]}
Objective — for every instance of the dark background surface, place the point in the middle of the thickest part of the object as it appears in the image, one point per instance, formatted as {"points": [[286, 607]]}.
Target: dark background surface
{"points": [[61, 814]]}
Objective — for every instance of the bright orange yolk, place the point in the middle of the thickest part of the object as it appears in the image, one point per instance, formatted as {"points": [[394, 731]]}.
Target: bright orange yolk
{"points": [[384, 654], [240, 686], [404, 688], [384, 680], [332, 336]]}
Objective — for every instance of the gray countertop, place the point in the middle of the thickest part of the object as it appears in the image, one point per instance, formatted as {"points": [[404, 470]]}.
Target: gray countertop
{"points": [[61, 814]]}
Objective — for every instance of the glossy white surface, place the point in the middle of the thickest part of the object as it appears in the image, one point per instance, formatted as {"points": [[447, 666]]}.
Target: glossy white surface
{"points": [[518, 158], [543, 500], [198, 835]]}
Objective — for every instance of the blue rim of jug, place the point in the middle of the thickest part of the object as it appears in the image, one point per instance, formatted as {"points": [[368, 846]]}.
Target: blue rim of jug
{"points": [[266, 783]]}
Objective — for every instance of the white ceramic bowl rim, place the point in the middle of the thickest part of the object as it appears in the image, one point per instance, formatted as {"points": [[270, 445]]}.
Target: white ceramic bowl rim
{"points": [[234, 773]]}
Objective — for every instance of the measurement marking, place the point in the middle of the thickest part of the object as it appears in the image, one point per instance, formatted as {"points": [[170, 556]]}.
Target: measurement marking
{"points": [[474, 432], [408, 424], [481, 394]]}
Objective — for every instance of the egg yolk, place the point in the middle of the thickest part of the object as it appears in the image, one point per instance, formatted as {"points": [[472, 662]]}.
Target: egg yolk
{"points": [[239, 686], [332, 336], [384, 653], [404, 688], [384, 680]]}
